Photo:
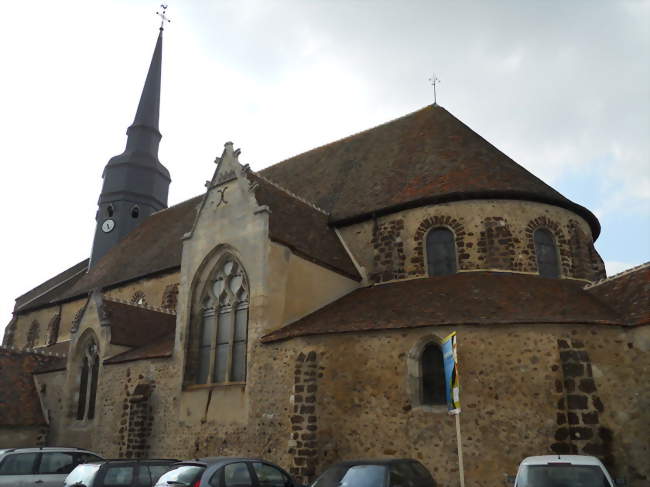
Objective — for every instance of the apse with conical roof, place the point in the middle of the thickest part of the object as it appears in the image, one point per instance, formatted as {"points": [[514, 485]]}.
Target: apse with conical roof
{"points": [[135, 184]]}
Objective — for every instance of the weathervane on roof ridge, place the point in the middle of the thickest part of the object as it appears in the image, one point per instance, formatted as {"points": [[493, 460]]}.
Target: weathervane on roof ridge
{"points": [[163, 17], [434, 81]]}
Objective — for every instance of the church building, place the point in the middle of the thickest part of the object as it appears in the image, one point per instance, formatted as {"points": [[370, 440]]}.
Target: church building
{"points": [[296, 313]]}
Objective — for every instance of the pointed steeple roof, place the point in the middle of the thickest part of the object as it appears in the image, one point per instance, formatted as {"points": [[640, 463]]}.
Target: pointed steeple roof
{"points": [[149, 106], [143, 134]]}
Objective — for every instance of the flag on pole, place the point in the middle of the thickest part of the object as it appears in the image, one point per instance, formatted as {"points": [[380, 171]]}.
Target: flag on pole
{"points": [[452, 386]]}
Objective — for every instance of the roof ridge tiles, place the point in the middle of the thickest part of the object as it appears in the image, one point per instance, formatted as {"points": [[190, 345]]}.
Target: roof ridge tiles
{"points": [[293, 195], [157, 309], [616, 276]]}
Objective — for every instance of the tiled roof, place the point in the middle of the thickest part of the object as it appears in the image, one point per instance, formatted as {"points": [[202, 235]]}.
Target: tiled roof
{"points": [[628, 293], [19, 401], [303, 228], [159, 348], [54, 286], [425, 157], [136, 326], [478, 298], [428, 156]]}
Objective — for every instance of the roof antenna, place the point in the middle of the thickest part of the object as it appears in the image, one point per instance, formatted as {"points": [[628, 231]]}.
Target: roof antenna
{"points": [[434, 81], [163, 17]]}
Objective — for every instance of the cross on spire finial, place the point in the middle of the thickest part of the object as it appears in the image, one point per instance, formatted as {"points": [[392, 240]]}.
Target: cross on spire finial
{"points": [[163, 16], [434, 81]]}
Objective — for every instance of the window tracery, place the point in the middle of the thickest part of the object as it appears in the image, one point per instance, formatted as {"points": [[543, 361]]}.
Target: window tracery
{"points": [[224, 325]]}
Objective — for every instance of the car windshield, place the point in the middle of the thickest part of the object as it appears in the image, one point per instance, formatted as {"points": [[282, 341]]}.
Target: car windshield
{"points": [[562, 476], [82, 474], [181, 475], [352, 476]]}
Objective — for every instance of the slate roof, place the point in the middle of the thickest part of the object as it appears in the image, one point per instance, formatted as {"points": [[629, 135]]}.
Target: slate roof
{"points": [[136, 326], [628, 293], [428, 156], [477, 298], [19, 401]]}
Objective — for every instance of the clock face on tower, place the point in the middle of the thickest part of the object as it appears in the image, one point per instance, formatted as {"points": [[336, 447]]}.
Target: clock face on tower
{"points": [[108, 225]]}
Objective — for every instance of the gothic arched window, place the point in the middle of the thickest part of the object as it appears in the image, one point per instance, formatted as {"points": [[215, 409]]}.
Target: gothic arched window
{"points": [[88, 375], [33, 334], [546, 253], [441, 252], [433, 375], [224, 325]]}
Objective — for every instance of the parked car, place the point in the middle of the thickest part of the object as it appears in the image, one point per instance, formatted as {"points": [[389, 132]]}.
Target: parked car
{"points": [[226, 472], [402, 472], [563, 471], [123, 473], [41, 467]]}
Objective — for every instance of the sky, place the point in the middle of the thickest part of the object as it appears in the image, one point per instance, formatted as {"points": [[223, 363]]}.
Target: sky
{"points": [[561, 87]]}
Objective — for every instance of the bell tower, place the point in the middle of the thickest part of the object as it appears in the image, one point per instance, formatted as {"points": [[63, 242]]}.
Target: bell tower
{"points": [[135, 182]]}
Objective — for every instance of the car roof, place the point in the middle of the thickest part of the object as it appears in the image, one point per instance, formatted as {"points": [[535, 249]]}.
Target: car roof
{"points": [[572, 459], [214, 460], [376, 461], [47, 449]]}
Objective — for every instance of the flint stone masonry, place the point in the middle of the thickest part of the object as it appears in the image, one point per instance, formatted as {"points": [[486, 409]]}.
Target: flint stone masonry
{"points": [[490, 234]]}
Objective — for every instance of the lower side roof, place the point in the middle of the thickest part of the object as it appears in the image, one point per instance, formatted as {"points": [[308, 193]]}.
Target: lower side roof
{"points": [[477, 298]]}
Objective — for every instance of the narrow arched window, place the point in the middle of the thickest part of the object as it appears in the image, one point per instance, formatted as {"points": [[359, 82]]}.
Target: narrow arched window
{"points": [[224, 325], [88, 376], [441, 252], [546, 252], [433, 375], [33, 334]]}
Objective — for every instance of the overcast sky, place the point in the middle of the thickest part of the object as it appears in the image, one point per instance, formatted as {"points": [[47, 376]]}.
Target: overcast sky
{"points": [[562, 87]]}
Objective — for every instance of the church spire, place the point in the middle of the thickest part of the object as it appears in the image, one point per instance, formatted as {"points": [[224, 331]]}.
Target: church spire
{"points": [[136, 184], [149, 106]]}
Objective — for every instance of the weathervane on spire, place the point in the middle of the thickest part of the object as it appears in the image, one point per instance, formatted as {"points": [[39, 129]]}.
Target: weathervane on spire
{"points": [[434, 81], [163, 17]]}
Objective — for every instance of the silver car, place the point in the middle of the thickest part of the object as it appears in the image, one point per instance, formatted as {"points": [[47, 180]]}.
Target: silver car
{"points": [[40, 467]]}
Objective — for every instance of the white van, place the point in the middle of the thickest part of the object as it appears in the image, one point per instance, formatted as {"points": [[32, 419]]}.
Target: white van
{"points": [[563, 471]]}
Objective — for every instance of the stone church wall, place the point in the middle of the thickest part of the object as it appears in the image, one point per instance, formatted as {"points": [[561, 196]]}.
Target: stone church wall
{"points": [[309, 402], [490, 235]]}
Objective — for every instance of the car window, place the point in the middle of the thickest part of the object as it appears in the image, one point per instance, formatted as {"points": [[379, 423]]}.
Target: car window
{"points": [[88, 457], [237, 475], [144, 477], [422, 475], [181, 473], [561, 474], [83, 474], [60, 463], [331, 477], [268, 476], [156, 471], [364, 476], [118, 475], [18, 464], [401, 475]]}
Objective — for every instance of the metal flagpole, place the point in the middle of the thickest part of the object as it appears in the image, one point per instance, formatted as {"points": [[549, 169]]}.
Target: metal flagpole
{"points": [[461, 470]]}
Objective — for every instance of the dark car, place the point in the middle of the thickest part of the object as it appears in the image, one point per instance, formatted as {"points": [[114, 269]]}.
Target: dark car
{"points": [[118, 473], [399, 472], [226, 472]]}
